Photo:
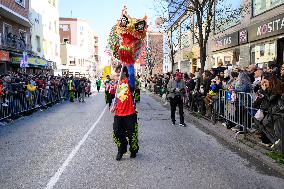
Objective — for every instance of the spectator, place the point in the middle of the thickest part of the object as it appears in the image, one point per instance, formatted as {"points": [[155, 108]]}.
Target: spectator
{"points": [[176, 89], [282, 73]]}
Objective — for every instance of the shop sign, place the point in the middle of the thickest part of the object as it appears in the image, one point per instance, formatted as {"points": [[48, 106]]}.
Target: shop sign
{"points": [[268, 28], [227, 41], [32, 61], [4, 56]]}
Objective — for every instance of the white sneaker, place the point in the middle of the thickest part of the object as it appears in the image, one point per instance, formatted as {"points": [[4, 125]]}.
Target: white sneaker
{"points": [[182, 124], [275, 144], [224, 124], [4, 104]]}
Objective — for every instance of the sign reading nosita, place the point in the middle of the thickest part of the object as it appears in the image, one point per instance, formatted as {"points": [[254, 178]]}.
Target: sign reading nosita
{"points": [[268, 28], [227, 41]]}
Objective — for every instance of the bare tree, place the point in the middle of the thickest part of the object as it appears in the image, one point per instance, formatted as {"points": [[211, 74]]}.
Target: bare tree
{"points": [[203, 25], [155, 50]]}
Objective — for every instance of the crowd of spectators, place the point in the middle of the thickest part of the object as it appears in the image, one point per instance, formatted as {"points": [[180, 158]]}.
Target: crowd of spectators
{"points": [[21, 92], [265, 85]]}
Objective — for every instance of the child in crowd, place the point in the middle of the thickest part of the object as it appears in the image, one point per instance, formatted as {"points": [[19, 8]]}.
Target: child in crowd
{"points": [[2, 94]]}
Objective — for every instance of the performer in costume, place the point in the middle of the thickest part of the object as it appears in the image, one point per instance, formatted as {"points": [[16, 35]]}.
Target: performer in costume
{"points": [[112, 87], [125, 120], [98, 83], [107, 86]]}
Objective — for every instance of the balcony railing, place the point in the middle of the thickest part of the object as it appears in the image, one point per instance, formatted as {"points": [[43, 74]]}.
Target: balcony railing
{"points": [[13, 42]]}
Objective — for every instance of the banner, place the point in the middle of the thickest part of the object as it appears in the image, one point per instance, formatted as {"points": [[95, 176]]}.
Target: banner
{"points": [[31, 61]]}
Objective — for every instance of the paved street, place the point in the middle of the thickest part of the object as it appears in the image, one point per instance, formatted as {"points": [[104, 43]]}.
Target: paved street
{"points": [[70, 146]]}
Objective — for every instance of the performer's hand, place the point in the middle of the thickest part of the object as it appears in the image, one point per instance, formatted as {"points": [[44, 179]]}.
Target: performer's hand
{"points": [[112, 110]]}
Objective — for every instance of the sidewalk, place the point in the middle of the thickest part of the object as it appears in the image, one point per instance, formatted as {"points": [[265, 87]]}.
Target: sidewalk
{"points": [[239, 143]]}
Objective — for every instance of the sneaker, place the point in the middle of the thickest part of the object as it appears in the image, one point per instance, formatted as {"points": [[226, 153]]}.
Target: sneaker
{"points": [[182, 124], [224, 124], [4, 104], [173, 123], [236, 128], [119, 156], [275, 144], [132, 155]]}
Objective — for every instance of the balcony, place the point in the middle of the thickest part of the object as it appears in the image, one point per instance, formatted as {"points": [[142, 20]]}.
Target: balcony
{"points": [[15, 43]]}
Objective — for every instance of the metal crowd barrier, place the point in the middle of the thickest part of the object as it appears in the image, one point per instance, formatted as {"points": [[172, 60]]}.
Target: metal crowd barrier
{"points": [[21, 102], [235, 107]]}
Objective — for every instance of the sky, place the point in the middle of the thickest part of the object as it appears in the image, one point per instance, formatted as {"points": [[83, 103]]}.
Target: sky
{"points": [[103, 14]]}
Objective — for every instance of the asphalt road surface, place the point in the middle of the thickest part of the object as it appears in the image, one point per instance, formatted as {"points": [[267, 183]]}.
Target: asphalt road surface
{"points": [[70, 146]]}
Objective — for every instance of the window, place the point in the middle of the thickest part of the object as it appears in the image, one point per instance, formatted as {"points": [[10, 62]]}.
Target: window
{"points": [[38, 43], [23, 37], [227, 60], [227, 15], [261, 50], [54, 3], [72, 62], [260, 6], [263, 53], [20, 2], [55, 26], [51, 48], [7, 31], [50, 25]]}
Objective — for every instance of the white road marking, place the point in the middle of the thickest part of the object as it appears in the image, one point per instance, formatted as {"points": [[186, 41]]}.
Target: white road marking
{"points": [[54, 179]]}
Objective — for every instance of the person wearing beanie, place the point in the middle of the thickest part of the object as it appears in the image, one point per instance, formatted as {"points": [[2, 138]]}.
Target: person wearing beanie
{"points": [[176, 88]]}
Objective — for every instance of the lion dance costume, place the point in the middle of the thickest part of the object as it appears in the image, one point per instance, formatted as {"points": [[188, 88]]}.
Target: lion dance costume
{"points": [[126, 42]]}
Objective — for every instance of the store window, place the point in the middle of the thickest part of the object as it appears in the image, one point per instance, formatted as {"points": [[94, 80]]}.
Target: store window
{"points": [[227, 60], [263, 53], [185, 33], [260, 6]]}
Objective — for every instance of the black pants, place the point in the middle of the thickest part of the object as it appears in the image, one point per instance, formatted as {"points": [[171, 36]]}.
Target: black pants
{"points": [[174, 102], [98, 88], [110, 98], [126, 127], [107, 97]]}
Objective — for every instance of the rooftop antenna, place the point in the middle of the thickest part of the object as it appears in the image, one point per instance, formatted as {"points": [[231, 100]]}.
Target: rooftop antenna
{"points": [[71, 14]]}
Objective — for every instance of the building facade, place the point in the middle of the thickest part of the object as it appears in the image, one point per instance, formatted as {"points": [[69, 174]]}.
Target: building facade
{"points": [[15, 37], [79, 47], [256, 37], [44, 18]]}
